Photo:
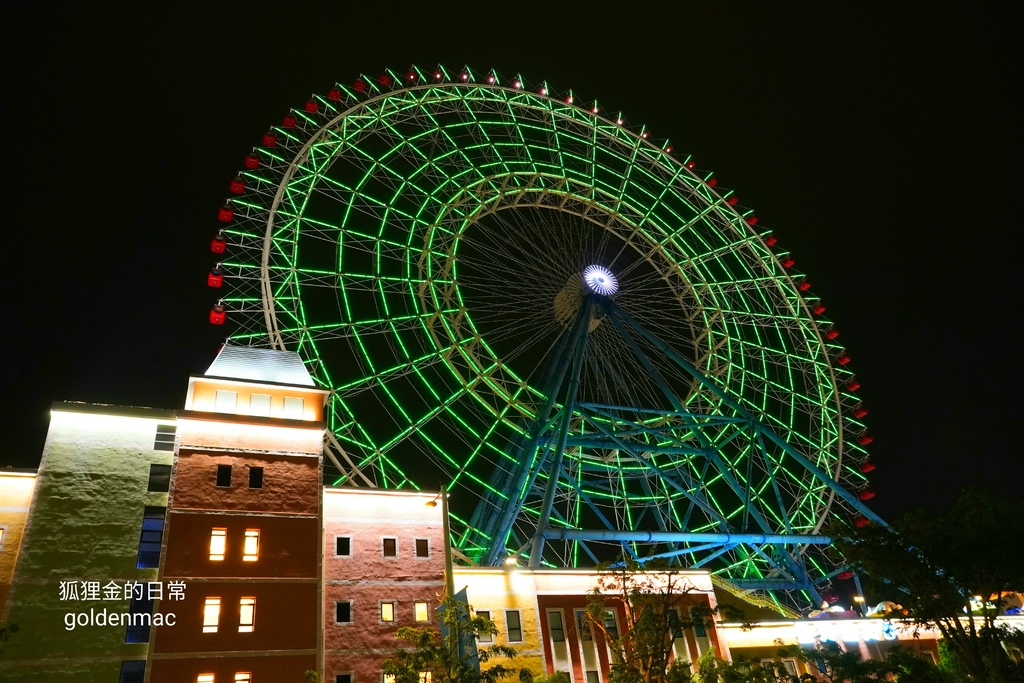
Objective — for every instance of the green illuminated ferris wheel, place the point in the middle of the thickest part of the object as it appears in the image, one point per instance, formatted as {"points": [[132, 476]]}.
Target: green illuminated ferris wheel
{"points": [[579, 332]]}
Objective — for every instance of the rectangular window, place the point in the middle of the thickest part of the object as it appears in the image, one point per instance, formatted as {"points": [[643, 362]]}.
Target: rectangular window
{"points": [[592, 677], [223, 475], [246, 615], [390, 547], [343, 612], [513, 622], [140, 618], [152, 535], [422, 547], [421, 611], [226, 402], [583, 626], [255, 477], [133, 671], [485, 637], [425, 677], [159, 478], [343, 546], [673, 623], [790, 666], [556, 626], [251, 549], [3, 532], [211, 615], [387, 678], [293, 408], [343, 678], [244, 677], [204, 678], [164, 440], [387, 611], [259, 405], [699, 629], [611, 625], [218, 544]]}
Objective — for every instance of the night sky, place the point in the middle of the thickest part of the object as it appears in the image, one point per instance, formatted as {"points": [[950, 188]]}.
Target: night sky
{"points": [[880, 142]]}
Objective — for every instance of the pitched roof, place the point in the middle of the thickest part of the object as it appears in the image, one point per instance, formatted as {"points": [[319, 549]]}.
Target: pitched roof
{"points": [[260, 365]]}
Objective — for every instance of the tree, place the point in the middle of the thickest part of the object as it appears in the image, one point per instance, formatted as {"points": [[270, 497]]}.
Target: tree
{"points": [[449, 658], [939, 563], [658, 601]]}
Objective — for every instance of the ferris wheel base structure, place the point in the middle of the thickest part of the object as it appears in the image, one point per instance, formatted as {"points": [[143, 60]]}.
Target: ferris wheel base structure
{"points": [[587, 339]]}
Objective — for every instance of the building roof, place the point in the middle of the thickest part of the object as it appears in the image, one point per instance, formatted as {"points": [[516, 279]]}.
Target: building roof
{"points": [[260, 365]]}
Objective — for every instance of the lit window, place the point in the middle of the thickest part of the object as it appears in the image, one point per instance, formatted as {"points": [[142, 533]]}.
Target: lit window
{"points": [[247, 615], [390, 547], [3, 530], [422, 611], [211, 615], [293, 408], [387, 611], [424, 677], [388, 678], [204, 678], [218, 543], [243, 678], [251, 551], [422, 547], [484, 637], [515, 626], [343, 546], [226, 401], [259, 405]]}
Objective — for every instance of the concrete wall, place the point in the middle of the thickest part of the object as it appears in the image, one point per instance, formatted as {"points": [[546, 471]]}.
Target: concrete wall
{"points": [[367, 577], [15, 497], [84, 525]]}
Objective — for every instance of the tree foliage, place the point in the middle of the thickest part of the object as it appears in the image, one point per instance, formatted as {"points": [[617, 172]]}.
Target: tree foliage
{"points": [[658, 601], [449, 658], [939, 562]]}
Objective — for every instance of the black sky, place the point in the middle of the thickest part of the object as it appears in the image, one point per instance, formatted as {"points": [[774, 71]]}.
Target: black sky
{"points": [[881, 142]]}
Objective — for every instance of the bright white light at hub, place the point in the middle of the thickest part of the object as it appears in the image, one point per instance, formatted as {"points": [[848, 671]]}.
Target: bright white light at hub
{"points": [[600, 280]]}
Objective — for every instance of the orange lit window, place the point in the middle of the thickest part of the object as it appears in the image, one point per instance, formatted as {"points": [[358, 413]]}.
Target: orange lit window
{"points": [[422, 612], [243, 678], [251, 550], [211, 616], [424, 677], [389, 678], [387, 611], [205, 678], [218, 543], [247, 615]]}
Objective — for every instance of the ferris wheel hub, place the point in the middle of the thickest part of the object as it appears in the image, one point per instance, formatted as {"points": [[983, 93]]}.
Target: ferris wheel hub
{"points": [[600, 280]]}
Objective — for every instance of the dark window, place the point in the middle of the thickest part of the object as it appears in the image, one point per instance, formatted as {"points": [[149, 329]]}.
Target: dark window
{"points": [[484, 637], [610, 625], [342, 545], [160, 478], [592, 677], [255, 477], [583, 626], [422, 547], [673, 623], [132, 672], [140, 615], [343, 678], [152, 535], [164, 438], [223, 475], [390, 547], [698, 626], [515, 626], [557, 629], [343, 612]]}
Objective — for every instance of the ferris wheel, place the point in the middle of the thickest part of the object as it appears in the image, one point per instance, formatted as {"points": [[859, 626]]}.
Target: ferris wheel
{"points": [[579, 332]]}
